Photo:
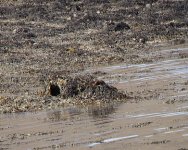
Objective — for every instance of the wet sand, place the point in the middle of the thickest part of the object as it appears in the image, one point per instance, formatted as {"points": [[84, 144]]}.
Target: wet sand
{"points": [[156, 117]]}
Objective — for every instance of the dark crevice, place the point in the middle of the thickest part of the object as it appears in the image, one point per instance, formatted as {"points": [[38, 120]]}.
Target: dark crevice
{"points": [[54, 90]]}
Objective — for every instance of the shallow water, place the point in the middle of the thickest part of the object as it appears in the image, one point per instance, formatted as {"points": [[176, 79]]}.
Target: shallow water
{"points": [[150, 76], [82, 129]]}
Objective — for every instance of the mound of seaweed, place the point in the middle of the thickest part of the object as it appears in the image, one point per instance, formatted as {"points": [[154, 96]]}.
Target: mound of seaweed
{"points": [[83, 87]]}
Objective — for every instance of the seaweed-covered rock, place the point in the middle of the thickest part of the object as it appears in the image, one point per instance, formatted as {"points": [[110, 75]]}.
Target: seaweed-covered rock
{"points": [[84, 87]]}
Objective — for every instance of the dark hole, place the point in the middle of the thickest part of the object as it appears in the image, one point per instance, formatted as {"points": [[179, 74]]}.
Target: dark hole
{"points": [[122, 26], [78, 8], [54, 90]]}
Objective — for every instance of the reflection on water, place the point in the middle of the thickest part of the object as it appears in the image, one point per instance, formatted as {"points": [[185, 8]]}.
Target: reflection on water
{"points": [[101, 111], [63, 114], [96, 111], [55, 116]]}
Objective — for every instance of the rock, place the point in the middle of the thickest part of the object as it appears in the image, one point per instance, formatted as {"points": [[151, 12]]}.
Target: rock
{"points": [[148, 6], [98, 12], [142, 40], [84, 87], [122, 26]]}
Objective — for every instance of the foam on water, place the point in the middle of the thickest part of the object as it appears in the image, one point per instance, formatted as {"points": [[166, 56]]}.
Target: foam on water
{"points": [[164, 70], [112, 140], [160, 114], [161, 129], [148, 136], [174, 131], [185, 135]]}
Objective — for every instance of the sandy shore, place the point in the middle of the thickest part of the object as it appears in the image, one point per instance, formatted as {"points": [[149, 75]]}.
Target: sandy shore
{"points": [[139, 48], [154, 118]]}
